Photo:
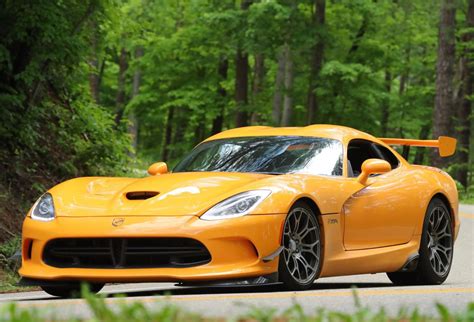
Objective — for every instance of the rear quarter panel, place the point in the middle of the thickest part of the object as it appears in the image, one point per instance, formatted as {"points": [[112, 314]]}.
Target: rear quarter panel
{"points": [[441, 184]]}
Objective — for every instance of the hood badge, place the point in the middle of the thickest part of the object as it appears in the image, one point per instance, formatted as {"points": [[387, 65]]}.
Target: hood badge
{"points": [[117, 221]]}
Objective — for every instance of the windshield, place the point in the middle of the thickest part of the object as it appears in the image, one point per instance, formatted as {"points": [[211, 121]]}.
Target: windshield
{"points": [[271, 154]]}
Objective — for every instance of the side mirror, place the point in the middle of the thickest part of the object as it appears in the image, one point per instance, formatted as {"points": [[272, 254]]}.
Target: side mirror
{"points": [[373, 166], [158, 168]]}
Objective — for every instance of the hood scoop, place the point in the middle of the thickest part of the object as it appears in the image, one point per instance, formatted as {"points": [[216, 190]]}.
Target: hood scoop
{"points": [[140, 195]]}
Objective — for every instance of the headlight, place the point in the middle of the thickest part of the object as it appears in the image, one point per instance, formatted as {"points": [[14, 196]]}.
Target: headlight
{"points": [[236, 206], [43, 209]]}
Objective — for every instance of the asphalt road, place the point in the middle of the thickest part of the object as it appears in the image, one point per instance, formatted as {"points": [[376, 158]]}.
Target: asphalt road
{"points": [[375, 291]]}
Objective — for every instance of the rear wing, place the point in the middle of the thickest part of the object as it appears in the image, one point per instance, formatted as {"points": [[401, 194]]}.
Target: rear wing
{"points": [[445, 144]]}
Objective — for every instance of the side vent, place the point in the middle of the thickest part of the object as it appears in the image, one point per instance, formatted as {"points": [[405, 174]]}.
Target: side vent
{"points": [[141, 195]]}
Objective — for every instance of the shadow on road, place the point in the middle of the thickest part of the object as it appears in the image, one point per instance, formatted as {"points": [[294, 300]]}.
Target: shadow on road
{"points": [[229, 290], [247, 289]]}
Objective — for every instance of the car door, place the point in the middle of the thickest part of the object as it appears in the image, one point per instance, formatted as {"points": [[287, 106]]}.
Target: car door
{"points": [[381, 213]]}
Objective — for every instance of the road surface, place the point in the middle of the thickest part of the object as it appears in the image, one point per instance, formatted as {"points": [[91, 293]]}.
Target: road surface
{"points": [[375, 291]]}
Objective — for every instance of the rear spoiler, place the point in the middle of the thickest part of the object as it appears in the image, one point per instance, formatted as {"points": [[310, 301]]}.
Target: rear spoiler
{"points": [[445, 144]]}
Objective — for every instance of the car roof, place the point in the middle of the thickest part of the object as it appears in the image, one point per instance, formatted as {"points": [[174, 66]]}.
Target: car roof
{"points": [[338, 132]]}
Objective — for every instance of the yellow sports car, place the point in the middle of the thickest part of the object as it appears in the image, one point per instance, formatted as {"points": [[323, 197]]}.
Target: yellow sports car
{"points": [[254, 205]]}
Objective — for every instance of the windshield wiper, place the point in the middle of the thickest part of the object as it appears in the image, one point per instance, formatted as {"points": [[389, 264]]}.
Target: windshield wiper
{"points": [[271, 173]]}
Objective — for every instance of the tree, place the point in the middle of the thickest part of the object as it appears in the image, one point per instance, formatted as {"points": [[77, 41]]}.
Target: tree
{"points": [[444, 101], [94, 74], [279, 88], [465, 103], [52, 128], [242, 79], [218, 122], [319, 17], [137, 78], [175, 72], [120, 100], [286, 117]]}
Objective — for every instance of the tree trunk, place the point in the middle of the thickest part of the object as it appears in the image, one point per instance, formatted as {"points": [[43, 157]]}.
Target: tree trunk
{"points": [[120, 99], [200, 133], [359, 36], [241, 87], [279, 86], [288, 97], [420, 152], [404, 76], [168, 134], [257, 85], [242, 79], [316, 60], [94, 64], [444, 75], [386, 104], [218, 122], [133, 121], [465, 104]]}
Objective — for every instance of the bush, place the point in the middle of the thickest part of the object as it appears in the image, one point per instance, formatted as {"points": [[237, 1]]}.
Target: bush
{"points": [[49, 144], [138, 311]]}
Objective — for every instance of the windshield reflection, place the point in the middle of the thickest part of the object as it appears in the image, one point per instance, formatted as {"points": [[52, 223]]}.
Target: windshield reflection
{"points": [[271, 155]]}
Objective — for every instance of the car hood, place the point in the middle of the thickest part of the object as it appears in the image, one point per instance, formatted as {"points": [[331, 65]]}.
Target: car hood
{"points": [[177, 194]]}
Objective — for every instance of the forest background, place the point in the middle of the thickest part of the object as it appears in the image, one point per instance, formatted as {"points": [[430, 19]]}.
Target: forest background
{"points": [[106, 87]]}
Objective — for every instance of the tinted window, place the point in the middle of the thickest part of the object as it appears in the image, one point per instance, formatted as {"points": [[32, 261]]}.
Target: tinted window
{"points": [[387, 155], [360, 150], [272, 154], [357, 152]]}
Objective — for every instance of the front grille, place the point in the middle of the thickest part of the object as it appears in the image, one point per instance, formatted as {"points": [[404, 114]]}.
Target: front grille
{"points": [[125, 252]]}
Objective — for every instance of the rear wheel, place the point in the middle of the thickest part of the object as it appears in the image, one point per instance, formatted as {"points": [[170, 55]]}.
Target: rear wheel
{"points": [[300, 261], [71, 290], [436, 249]]}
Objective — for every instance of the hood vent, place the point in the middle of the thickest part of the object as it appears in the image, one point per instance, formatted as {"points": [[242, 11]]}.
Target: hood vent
{"points": [[141, 195]]}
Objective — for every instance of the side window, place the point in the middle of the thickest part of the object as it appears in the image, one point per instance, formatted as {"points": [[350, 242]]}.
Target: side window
{"points": [[360, 150], [357, 152], [387, 155]]}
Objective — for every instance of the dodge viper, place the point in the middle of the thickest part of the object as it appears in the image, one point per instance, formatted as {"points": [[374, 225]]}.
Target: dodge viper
{"points": [[251, 206]]}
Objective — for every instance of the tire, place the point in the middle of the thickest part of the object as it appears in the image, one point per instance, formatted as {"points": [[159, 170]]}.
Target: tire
{"points": [[72, 290], [436, 249], [301, 260]]}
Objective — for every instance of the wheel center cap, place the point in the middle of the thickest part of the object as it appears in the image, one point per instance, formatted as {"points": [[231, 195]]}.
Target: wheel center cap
{"points": [[292, 245]]}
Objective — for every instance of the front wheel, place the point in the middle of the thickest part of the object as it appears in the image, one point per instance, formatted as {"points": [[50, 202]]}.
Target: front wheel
{"points": [[300, 261], [71, 290], [436, 249]]}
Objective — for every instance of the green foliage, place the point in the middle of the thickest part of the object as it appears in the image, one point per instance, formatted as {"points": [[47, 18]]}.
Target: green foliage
{"points": [[9, 248], [8, 264], [136, 311], [75, 75], [50, 129]]}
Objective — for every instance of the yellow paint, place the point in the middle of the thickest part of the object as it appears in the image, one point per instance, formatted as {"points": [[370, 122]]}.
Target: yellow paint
{"points": [[445, 144], [376, 226]]}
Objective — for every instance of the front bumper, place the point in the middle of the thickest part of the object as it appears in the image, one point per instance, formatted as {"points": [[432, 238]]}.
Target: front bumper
{"points": [[237, 247]]}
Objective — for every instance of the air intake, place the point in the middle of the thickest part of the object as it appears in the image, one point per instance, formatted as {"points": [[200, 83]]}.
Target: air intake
{"points": [[112, 253], [141, 195]]}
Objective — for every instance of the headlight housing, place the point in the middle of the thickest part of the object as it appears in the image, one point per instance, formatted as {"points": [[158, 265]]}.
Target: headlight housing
{"points": [[43, 209], [236, 206]]}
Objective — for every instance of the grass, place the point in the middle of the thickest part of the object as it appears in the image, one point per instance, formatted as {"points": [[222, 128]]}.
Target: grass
{"points": [[8, 268], [137, 311], [467, 199], [7, 282], [466, 194], [8, 277]]}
